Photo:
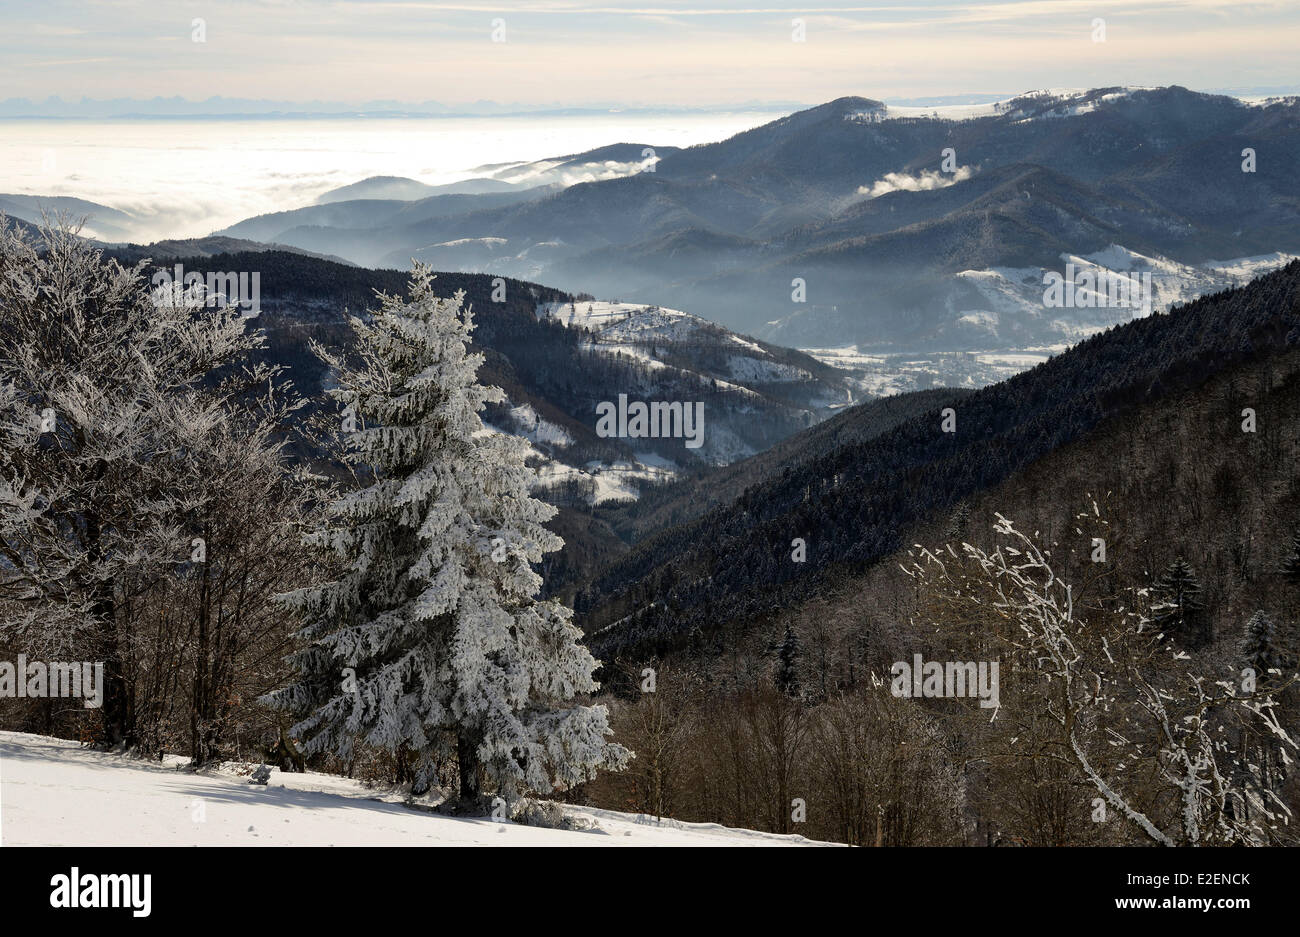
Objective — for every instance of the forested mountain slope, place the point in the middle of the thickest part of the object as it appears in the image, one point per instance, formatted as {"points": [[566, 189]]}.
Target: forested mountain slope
{"points": [[882, 211], [684, 499], [862, 501]]}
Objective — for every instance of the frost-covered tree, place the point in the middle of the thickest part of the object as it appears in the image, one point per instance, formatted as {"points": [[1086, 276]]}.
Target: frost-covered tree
{"points": [[245, 509], [1266, 663], [432, 640], [98, 380], [1128, 715], [1260, 648]]}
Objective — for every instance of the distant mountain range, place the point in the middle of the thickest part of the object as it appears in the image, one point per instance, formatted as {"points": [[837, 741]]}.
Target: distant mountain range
{"points": [[908, 244], [226, 108], [882, 212]]}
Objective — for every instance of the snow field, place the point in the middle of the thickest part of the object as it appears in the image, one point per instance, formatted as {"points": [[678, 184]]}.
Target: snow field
{"points": [[53, 792]]}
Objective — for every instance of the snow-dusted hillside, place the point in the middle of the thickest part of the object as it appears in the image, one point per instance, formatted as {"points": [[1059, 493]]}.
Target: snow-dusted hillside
{"points": [[752, 389], [55, 793], [994, 307], [884, 374], [1044, 104], [1011, 296], [641, 330]]}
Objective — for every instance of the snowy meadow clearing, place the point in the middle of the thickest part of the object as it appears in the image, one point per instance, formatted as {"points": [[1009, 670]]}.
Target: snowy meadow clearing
{"points": [[53, 792]]}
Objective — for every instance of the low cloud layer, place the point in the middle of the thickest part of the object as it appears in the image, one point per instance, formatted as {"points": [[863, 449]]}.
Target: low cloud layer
{"points": [[236, 169], [922, 182]]}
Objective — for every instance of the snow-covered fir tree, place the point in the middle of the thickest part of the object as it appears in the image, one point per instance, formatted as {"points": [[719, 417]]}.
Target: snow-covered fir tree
{"points": [[432, 640], [1261, 648]]}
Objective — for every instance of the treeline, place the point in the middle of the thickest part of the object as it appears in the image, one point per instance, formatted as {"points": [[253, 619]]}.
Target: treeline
{"points": [[159, 469], [1099, 714], [860, 767], [148, 511]]}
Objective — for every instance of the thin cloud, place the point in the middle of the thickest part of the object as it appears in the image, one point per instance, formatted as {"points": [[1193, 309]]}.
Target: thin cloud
{"points": [[924, 181]]}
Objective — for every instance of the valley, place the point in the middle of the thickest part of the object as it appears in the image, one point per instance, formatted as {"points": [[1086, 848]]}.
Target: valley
{"points": [[704, 441]]}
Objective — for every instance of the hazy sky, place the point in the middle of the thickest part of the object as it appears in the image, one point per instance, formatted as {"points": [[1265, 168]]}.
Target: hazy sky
{"points": [[658, 52]]}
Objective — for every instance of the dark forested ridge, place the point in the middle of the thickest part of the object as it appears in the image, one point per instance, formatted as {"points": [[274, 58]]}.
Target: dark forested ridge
{"points": [[856, 503], [683, 500], [305, 297], [595, 537]]}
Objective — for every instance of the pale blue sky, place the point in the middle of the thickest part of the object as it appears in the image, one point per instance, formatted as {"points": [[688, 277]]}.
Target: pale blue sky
{"points": [[661, 52]]}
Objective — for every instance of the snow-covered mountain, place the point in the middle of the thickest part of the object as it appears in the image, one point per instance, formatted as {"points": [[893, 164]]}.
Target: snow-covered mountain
{"points": [[880, 211], [1003, 324], [650, 333], [673, 355]]}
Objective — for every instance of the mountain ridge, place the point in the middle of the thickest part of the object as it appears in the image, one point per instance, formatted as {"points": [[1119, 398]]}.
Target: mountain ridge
{"points": [[833, 195]]}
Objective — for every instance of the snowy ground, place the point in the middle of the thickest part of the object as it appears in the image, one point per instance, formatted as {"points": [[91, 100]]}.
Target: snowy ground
{"points": [[54, 793]]}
